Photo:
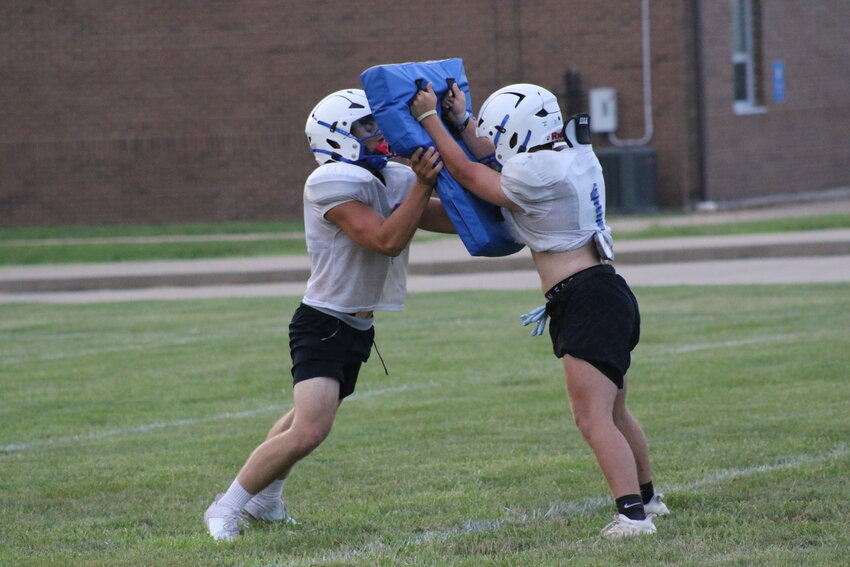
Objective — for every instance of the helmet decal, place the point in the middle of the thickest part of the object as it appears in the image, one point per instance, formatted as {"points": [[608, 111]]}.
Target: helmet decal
{"points": [[519, 96]]}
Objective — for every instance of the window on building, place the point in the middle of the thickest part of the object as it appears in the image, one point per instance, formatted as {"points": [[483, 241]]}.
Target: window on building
{"points": [[746, 56]]}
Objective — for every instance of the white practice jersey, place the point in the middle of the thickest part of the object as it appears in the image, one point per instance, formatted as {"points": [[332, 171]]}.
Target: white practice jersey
{"points": [[562, 197], [345, 276]]}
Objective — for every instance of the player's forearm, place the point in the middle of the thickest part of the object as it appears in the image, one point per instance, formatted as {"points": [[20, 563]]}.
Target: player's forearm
{"points": [[398, 228], [451, 153], [478, 147], [436, 219]]}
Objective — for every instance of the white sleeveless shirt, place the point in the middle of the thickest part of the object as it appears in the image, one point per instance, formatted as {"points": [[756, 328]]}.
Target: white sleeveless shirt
{"points": [[345, 276], [562, 197]]}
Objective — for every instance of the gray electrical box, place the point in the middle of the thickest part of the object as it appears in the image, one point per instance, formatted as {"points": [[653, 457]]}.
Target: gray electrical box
{"points": [[630, 177], [603, 109]]}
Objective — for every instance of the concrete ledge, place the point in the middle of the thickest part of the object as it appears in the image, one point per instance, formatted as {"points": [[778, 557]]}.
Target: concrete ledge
{"points": [[437, 257], [152, 280]]}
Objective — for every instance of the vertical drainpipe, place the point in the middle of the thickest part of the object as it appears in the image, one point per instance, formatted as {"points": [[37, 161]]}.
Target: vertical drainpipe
{"points": [[519, 61], [647, 84], [700, 193]]}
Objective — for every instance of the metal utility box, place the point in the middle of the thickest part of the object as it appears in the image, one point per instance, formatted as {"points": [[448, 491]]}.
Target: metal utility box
{"points": [[630, 177], [603, 109]]}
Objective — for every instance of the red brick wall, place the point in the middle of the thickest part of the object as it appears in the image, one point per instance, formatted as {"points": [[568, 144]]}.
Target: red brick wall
{"points": [[796, 146], [127, 111]]}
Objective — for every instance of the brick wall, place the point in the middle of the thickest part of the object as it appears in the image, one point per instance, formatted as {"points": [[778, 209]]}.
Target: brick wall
{"points": [[796, 146], [125, 111]]}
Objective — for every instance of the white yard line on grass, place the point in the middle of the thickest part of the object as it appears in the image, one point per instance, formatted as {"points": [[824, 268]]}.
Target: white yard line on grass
{"points": [[16, 447], [514, 517], [565, 510], [161, 340], [147, 428], [761, 339], [195, 338], [177, 341]]}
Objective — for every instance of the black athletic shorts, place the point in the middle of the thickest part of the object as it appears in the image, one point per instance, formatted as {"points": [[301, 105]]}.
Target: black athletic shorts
{"points": [[595, 317], [322, 345]]}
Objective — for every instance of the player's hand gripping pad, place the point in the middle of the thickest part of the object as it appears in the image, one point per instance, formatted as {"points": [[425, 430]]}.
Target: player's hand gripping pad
{"points": [[390, 88]]}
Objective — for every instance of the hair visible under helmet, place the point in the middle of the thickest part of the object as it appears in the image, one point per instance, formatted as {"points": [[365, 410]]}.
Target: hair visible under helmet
{"points": [[329, 128], [519, 117]]}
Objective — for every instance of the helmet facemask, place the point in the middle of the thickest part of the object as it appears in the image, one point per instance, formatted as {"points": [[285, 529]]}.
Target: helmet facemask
{"points": [[365, 130]]}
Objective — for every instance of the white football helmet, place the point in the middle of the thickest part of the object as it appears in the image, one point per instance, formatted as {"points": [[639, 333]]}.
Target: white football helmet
{"points": [[519, 117], [329, 127]]}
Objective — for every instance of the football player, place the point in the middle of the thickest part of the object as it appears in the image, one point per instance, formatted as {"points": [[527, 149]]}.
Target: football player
{"points": [[360, 213], [549, 184]]}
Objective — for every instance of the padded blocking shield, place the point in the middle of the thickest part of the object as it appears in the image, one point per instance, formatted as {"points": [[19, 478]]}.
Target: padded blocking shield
{"points": [[390, 88]]}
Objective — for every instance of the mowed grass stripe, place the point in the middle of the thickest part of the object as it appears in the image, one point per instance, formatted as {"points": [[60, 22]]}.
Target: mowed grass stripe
{"points": [[469, 435], [151, 427], [563, 510]]}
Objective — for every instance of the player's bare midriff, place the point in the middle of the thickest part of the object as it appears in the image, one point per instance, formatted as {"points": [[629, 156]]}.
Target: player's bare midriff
{"points": [[554, 267]]}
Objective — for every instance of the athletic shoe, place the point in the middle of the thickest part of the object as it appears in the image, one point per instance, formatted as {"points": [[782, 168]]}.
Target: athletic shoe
{"points": [[265, 511], [221, 522], [656, 506], [623, 526]]}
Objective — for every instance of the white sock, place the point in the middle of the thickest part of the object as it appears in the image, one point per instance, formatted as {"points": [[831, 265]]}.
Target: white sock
{"points": [[274, 491], [236, 497]]}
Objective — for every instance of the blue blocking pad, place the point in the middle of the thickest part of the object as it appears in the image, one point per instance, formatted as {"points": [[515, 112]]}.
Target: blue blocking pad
{"points": [[390, 88]]}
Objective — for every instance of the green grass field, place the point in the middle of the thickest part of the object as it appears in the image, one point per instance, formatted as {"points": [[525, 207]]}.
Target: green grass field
{"points": [[56, 245], [119, 422]]}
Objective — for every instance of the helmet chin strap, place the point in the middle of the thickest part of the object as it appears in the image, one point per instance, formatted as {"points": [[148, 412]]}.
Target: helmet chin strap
{"points": [[523, 147], [372, 161]]}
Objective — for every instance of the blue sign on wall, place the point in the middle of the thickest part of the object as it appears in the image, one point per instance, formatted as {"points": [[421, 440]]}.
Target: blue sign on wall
{"points": [[779, 81]]}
